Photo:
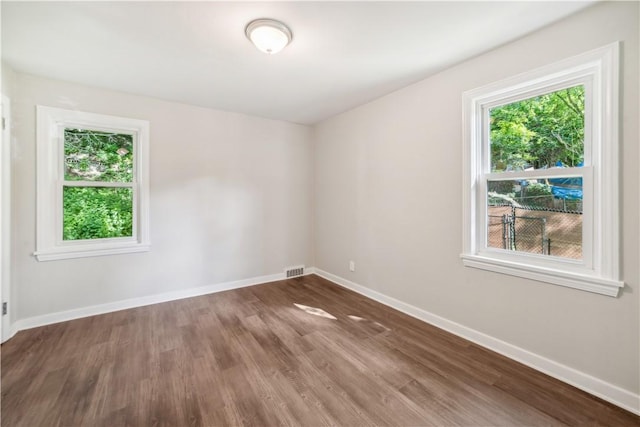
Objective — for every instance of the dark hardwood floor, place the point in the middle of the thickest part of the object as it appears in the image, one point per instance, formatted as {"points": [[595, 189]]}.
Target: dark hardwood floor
{"points": [[297, 352]]}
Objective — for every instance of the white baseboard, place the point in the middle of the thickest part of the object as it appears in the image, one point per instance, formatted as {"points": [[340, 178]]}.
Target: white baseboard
{"points": [[63, 316], [597, 387], [12, 330]]}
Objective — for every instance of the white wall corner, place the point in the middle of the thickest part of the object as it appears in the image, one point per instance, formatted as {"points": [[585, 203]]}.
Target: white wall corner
{"points": [[592, 385]]}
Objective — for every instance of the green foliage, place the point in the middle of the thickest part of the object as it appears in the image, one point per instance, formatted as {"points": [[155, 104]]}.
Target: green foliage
{"points": [[98, 156], [501, 187], [536, 194], [97, 213], [539, 131], [537, 189]]}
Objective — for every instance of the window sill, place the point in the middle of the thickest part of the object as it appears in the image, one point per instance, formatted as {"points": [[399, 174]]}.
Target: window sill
{"points": [[584, 282], [84, 251]]}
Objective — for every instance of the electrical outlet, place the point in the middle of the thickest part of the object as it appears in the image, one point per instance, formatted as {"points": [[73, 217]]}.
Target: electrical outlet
{"points": [[352, 266]]}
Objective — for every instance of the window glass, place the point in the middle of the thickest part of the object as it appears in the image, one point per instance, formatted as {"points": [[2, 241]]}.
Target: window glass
{"points": [[542, 216], [97, 213], [91, 155], [539, 132]]}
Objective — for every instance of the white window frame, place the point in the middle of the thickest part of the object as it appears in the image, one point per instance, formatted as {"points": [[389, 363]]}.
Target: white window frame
{"points": [[51, 123], [598, 270]]}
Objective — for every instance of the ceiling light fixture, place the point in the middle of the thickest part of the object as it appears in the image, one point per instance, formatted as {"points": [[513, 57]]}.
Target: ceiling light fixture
{"points": [[268, 35]]}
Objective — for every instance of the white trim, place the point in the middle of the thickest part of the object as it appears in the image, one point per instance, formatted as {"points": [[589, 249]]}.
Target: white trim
{"points": [[595, 386], [562, 277], [598, 271], [50, 179], [69, 252], [77, 313], [101, 184], [12, 329], [5, 221], [537, 173]]}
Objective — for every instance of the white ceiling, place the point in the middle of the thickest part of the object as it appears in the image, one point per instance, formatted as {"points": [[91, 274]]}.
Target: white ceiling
{"points": [[342, 54]]}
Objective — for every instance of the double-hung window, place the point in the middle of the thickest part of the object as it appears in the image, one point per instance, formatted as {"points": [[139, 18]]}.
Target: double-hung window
{"points": [[540, 174], [92, 177]]}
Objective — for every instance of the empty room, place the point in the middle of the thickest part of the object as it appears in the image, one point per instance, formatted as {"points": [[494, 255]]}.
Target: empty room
{"points": [[320, 213]]}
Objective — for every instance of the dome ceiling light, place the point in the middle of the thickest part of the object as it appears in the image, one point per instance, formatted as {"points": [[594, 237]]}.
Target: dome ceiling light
{"points": [[268, 35]]}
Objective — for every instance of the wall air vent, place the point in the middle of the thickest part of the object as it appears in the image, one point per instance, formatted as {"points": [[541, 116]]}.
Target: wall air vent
{"points": [[294, 271]]}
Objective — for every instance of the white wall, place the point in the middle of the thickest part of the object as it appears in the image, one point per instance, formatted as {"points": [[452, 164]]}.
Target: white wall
{"points": [[6, 81], [6, 89], [388, 196], [230, 199]]}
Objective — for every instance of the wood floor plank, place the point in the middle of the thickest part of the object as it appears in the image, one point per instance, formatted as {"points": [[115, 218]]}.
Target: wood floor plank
{"points": [[302, 351]]}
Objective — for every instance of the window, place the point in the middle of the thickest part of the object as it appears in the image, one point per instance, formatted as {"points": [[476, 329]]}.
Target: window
{"points": [[540, 174], [92, 184]]}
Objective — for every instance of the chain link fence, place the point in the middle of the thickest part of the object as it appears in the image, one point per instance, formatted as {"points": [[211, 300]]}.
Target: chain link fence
{"points": [[535, 230]]}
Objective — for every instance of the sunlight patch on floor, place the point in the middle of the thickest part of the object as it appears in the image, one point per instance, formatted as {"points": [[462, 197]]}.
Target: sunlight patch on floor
{"points": [[315, 311], [362, 319]]}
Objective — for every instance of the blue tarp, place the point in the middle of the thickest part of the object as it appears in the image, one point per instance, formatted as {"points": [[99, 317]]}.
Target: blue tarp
{"points": [[564, 188], [566, 193], [573, 181]]}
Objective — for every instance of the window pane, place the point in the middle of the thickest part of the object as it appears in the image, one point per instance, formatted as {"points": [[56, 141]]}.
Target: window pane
{"points": [[97, 213], [97, 156], [538, 133], [536, 216]]}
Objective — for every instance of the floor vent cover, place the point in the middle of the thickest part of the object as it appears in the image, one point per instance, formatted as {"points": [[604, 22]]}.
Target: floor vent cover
{"points": [[294, 271]]}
